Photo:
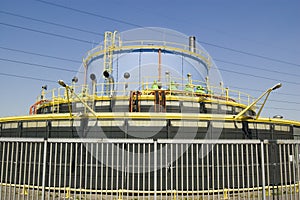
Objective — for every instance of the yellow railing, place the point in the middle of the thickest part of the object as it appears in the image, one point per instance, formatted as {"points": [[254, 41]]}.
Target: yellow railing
{"points": [[222, 193], [123, 89], [146, 44]]}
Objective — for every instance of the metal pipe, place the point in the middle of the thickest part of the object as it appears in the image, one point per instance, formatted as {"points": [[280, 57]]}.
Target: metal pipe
{"points": [[192, 44]]}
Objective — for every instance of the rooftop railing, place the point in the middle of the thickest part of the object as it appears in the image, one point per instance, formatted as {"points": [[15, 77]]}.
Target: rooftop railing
{"points": [[146, 87]]}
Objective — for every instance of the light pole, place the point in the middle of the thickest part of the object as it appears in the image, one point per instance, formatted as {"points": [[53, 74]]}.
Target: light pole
{"points": [[63, 84], [267, 92]]}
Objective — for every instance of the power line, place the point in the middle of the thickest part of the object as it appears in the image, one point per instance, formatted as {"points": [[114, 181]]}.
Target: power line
{"points": [[278, 108], [38, 65], [38, 54], [253, 67], [75, 61], [203, 42], [257, 90], [246, 74], [251, 54], [46, 33], [27, 77], [89, 13], [52, 23]]}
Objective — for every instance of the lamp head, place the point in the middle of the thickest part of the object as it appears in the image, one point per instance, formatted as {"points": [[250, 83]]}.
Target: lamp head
{"points": [[74, 79], [278, 85], [126, 75], [106, 74], [93, 77], [44, 87], [62, 83]]}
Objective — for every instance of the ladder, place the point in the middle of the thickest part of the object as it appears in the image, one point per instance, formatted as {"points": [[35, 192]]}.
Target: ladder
{"points": [[111, 40]]}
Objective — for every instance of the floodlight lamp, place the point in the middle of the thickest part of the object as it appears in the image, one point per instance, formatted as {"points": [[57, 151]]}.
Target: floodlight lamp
{"points": [[62, 83], [106, 74], [93, 77], [126, 75], [74, 79], [278, 85]]}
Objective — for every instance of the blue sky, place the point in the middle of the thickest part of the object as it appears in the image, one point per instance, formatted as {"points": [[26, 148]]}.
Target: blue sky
{"points": [[264, 28]]}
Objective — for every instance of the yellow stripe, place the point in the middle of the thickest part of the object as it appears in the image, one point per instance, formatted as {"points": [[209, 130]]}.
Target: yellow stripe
{"points": [[146, 115]]}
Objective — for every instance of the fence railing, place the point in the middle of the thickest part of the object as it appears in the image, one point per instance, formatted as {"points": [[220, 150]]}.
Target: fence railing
{"points": [[33, 168]]}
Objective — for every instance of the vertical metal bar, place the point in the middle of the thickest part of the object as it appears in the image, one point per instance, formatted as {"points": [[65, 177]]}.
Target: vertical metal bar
{"points": [[106, 170], [2, 167], [44, 169], [267, 164], [25, 166], [80, 170], [192, 163], [248, 171], [34, 171], [243, 169], [138, 172], [171, 170], [96, 173], [252, 168], [133, 166], [11, 169], [29, 170], [60, 168], [71, 166], [202, 170], [207, 170], [197, 169], [161, 171], [65, 171], [16, 167], [212, 171], [232, 169], [294, 170], [280, 166], [128, 170], [20, 172], [55, 174], [144, 166], [75, 168], [101, 171], [181, 167], [6, 169], [223, 168], [290, 160], [86, 169], [297, 169], [238, 169], [187, 169], [112, 170], [263, 171], [149, 169], [177, 168], [91, 169], [218, 172], [257, 169], [155, 170], [285, 160], [123, 166], [228, 166], [166, 168]]}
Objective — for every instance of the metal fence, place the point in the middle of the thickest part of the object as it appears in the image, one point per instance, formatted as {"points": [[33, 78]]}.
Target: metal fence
{"points": [[147, 169]]}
